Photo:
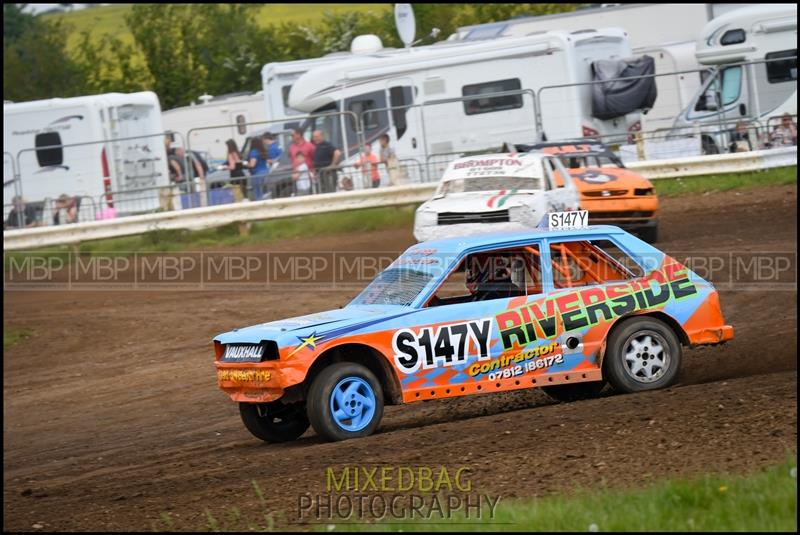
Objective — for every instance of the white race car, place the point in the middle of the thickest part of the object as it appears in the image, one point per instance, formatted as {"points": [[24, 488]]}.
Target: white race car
{"points": [[495, 192]]}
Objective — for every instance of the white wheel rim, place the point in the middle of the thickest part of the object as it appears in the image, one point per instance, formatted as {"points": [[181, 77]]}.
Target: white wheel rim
{"points": [[647, 356]]}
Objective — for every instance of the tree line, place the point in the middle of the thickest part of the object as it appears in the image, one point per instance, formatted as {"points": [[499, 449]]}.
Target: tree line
{"points": [[181, 51]]}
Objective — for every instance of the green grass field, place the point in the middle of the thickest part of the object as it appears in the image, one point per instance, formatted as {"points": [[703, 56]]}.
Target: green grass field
{"points": [[706, 184], [13, 335], [764, 501], [111, 19]]}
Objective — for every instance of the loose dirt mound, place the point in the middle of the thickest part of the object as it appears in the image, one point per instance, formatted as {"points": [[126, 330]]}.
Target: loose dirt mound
{"points": [[113, 418]]}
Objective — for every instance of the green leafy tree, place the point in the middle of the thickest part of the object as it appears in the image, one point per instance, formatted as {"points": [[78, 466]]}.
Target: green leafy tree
{"points": [[110, 65], [35, 65]]}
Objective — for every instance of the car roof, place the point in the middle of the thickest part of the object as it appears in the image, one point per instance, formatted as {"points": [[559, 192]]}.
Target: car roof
{"points": [[510, 238]]}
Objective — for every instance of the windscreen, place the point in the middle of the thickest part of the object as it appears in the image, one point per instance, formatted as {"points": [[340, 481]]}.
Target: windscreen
{"points": [[395, 286], [489, 183]]}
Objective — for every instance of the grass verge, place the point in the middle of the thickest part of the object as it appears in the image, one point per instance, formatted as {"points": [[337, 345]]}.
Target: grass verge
{"points": [[14, 335], [712, 183], [764, 501]]}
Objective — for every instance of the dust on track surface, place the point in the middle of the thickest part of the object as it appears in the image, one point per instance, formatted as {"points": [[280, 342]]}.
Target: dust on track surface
{"points": [[113, 418]]}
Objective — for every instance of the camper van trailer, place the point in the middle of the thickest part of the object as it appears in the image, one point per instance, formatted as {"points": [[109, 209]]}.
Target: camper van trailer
{"points": [[232, 114], [761, 91], [35, 131], [453, 70]]}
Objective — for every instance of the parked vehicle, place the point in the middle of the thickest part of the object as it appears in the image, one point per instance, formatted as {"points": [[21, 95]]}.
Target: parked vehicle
{"points": [[495, 192], [565, 310], [49, 166], [369, 85], [611, 193], [766, 34]]}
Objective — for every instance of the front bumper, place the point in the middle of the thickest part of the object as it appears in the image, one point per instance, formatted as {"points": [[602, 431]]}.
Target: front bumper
{"points": [[252, 384]]}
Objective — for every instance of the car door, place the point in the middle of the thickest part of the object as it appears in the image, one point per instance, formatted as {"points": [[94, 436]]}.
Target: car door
{"points": [[453, 347]]}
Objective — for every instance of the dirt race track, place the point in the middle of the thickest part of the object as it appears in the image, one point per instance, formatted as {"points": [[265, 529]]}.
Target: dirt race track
{"points": [[113, 419]]}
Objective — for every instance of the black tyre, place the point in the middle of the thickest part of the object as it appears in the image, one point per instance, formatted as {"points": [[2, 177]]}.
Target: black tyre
{"points": [[575, 391], [345, 401], [274, 422], [649, 234], [642, 354]]}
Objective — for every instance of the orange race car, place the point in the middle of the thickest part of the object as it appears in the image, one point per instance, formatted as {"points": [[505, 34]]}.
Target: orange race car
{"points": [[613, 194]]}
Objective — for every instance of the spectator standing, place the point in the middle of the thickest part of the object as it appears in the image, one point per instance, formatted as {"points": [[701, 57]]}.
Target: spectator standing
{"points": [[236, 167], [368, 162], [389, 159], [71, 207], [785, 134], [258, 167], [299, 143], [281, 185], [301, 175], [22, 215], [326, 159]]}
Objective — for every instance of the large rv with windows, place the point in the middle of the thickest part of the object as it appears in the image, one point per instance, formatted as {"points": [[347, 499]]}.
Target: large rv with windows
{"points": [[417, 95], [81, 147], [753, 55]]}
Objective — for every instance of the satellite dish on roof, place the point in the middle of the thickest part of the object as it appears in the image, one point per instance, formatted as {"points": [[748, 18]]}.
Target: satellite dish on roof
{"points": [[406, 25]]}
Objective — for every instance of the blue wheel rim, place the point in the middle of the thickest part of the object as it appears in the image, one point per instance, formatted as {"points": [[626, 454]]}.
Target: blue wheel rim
{"points": [[352, 404]]}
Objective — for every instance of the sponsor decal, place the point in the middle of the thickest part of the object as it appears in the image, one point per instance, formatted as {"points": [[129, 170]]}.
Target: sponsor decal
{"points": [[595, 177], [307, 341], [448, 345], [580, 309], [522, 362], [244, 376], [503, 195], [489, 162], [242, 353]]}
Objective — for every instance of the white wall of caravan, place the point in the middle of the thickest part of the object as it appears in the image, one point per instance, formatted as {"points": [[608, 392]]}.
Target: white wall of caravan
{"points": [[230, 117], [92, 124]]}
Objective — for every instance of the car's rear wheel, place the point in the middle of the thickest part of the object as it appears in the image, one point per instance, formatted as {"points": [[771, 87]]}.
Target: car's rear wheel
{"points": [[643, 353], [574, 392], [345, 401], [274, 422]]}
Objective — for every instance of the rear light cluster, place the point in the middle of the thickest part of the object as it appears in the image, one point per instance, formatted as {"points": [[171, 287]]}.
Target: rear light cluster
{"points": [[589, 132], [635, 127], [643, 191], [106, 179]]}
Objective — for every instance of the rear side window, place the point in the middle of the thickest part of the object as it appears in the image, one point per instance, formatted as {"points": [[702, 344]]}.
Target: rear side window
{"points": [[487, 105], [584, 263], [782, 66], [241, 124], [732, 37], [49, 156]]}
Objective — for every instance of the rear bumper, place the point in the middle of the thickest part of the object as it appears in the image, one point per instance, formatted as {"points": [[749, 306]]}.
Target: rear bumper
{"points": [[718, 335]]}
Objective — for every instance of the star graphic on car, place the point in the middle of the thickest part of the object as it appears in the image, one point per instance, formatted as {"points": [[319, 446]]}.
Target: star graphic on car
{"points": [[308, 341]]}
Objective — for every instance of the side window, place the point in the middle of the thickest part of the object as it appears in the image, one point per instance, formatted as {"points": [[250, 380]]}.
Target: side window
{"points": [[241, 124], [49, 156], [732, 37], [731, 85], [583, 263], [487, 105], [363, 106], [782, 67], [492, 275], [285, 94]]}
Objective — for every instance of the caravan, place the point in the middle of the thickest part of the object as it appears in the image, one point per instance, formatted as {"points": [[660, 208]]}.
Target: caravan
{"points": [[753, 52], [104, 147], [420, 96], [229, 116]]}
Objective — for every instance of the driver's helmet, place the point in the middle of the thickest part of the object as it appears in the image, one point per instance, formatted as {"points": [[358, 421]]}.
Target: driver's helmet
{"points": [[485, 270]]}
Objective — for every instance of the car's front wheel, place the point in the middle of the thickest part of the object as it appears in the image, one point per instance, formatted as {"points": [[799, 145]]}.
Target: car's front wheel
{"points": [[345, 401], [643, 353], [274, 422]]}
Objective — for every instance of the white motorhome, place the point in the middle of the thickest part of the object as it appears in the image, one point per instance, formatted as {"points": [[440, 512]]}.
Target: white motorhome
{"points": [[40, 134], [753, 55], [454, 70], [215, 120]]}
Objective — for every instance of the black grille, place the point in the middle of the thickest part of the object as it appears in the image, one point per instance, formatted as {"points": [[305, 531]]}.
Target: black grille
{"points": [[595, 216], [455, 218]]}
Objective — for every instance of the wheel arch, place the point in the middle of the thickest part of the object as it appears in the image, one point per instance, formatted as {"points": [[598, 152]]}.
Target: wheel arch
{"points": [[665, 318], [363, 354]]}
